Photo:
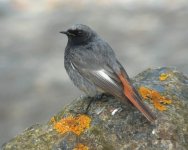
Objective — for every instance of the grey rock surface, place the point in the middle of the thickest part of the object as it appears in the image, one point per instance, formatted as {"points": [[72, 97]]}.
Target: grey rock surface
{"points": [[124, 129]]}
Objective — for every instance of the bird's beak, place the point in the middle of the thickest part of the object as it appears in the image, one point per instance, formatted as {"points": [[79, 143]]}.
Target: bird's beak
{"points": [[67, 33], [64, 32]]}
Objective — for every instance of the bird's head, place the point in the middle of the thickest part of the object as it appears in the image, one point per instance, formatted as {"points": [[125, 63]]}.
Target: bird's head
{"points": [[78, 34]]}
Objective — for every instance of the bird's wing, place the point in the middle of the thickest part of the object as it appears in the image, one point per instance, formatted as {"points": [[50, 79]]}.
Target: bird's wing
{"points": [[98, 72], [106, 78]]}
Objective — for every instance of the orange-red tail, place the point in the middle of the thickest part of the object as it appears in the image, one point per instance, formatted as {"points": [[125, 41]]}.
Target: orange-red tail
{"points": [[135, 99]]}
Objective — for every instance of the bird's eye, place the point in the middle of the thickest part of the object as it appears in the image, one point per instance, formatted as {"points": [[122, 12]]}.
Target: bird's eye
{"points": [[75, 32], [80, 32]]}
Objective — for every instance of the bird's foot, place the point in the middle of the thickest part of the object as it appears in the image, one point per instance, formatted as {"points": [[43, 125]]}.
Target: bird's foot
{"points": [[102, 97], [99, 97], [77, 113]]}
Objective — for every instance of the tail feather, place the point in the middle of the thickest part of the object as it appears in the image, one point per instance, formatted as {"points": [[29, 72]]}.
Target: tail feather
{"points": [[131, 93]]}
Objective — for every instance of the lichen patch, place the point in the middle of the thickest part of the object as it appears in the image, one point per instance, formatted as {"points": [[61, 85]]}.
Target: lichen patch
{"points": [[157, 99], [81, 147], [73, 124], [163, 76]]}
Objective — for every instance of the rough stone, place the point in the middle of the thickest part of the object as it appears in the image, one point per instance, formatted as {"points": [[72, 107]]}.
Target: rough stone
{"points": [[115, 125]]}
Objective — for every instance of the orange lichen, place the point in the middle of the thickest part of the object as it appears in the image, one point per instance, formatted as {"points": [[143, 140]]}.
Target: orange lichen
{"points": [[158, 100], [81, 147], [76, 124], [163, 76], [52, 120]]}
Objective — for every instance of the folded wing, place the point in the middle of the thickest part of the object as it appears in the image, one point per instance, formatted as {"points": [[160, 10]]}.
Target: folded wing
{"points": [[115, 83]]}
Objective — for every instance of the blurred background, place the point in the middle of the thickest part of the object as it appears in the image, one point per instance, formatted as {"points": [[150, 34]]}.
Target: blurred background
{"points": [[33, 82]]}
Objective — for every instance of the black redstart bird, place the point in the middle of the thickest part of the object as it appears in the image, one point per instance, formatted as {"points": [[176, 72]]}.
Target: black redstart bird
{"points": [[93, 67]]}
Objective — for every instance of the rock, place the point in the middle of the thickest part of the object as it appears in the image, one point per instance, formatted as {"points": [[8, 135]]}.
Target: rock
{"points": [[112, 125]]}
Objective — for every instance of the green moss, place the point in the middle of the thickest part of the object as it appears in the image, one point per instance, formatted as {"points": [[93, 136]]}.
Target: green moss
{"points": [[95, 130]]}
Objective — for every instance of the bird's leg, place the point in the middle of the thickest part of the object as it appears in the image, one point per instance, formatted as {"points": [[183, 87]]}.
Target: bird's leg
{"points": [[89, 104], [91, 99], [96, 98], [102, 96]]}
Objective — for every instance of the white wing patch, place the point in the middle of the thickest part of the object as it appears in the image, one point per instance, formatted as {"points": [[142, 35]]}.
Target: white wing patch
{"points": [[104, 75], [72, 65]]}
